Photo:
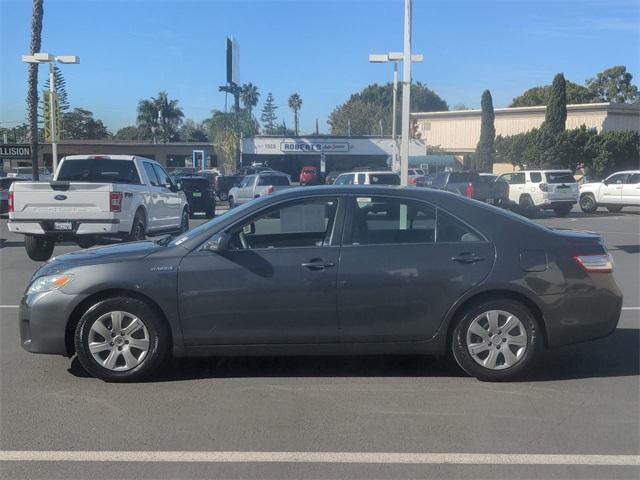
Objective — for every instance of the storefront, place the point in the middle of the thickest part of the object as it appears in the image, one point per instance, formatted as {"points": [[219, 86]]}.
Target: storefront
{"points": [[338, 154]]}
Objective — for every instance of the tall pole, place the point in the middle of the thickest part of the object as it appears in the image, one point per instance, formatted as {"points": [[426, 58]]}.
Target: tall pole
{"points": [[393, 119], [406, 94], [52, 116]]}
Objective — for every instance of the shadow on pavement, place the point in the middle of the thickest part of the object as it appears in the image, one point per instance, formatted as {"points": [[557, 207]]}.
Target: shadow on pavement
{"points": [[615, 356]]}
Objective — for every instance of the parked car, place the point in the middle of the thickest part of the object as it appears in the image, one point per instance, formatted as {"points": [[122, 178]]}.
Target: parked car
{"points": [[97, 198], [224, 183], [618, 190], [253, 169], [210, 175], [327, 270], [330, 178], [254, 186], [5, 183], [309, 176], [413, 175], [472, 185], [200, 195], [26, 173], [383, 177], [534, 190]]}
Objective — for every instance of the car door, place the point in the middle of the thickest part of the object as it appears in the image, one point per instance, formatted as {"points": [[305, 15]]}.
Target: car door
{"points": [[397, 280], [154, 200], [245, 192], [631, 189], [275, 283], [172, 199], [611, 188], [514, 195]]}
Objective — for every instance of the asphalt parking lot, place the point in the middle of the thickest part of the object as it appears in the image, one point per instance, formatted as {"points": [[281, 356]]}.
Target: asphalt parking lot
{"points": [[331, 417]]}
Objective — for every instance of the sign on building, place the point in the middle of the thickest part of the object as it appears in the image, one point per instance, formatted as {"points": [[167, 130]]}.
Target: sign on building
{"points": [[15, 152], [313, 147]]}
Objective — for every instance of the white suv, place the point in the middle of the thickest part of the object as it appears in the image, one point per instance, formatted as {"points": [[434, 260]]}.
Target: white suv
{"points": [[614, 192], [533, 190], [368, 178]]}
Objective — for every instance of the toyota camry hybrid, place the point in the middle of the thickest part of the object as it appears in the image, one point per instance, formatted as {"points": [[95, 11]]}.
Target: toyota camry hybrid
{"points": [[329, 270]]}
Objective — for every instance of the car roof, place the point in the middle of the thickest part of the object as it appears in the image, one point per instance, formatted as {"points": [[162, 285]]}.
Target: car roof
{"points": [[109, 157], [370, 172]]}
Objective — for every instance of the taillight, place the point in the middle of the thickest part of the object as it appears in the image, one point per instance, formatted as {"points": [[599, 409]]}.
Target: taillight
{"points": [[412, 181], [469, 191], [10, 202], [269, 189], [544, 187], [115, 201], [595, 263]]}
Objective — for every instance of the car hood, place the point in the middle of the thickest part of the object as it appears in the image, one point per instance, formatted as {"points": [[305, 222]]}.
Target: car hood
{"points": [[113, 253]]}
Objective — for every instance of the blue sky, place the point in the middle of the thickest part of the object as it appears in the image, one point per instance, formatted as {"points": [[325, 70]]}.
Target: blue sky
{"points": [[132, 49]]}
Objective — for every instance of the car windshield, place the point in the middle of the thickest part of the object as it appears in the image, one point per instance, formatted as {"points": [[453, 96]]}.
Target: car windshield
{"points": [[98, 171], [560, 177]]}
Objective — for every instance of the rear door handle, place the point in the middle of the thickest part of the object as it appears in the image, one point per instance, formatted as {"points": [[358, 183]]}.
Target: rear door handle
{"points": [[318, 264], [467, 258]]}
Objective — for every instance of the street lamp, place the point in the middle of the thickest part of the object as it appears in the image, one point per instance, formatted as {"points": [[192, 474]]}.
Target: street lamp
{"points": [[396, 57], [51, 59]]}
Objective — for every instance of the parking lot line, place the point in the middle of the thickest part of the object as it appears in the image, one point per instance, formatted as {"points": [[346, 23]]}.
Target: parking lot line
{"points": [[317, 457]]}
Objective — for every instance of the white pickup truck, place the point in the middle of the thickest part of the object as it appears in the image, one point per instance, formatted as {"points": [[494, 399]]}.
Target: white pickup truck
{"points": [[620, 189], [254, 186], [95, 199]]}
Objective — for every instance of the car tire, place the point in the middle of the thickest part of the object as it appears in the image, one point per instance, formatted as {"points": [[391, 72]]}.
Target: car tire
{"points": [[110, 356], [223, 196], [489, 361], [39, 247], [614, 208], [85, 242], [184, 222], [588, 203], [232, 203], [562, 211], [138, 228], [527, 207]]}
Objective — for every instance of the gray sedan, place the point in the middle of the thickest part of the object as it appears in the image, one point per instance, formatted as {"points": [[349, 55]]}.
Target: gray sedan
{"points": [[329, 270]]}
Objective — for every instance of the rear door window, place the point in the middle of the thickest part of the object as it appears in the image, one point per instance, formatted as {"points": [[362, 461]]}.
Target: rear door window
{"points": [[151, 173], [450, 229], [560, 177]]}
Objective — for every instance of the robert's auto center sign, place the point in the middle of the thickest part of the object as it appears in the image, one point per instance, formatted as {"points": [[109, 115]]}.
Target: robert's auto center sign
{"points": [[18, 151], [313, 147]]}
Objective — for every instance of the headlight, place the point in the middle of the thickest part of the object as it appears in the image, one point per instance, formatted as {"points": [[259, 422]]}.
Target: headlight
{"points": [[49, 282]]}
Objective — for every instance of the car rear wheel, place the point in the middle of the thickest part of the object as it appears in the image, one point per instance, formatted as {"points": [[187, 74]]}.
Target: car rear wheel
{"points": [[223, 196], [614, 208], [527, 207], [137, 228], [121, 339], [562, 211], [38, 247], [588, 203], [184, 223], [232, 203], [496, 340]]}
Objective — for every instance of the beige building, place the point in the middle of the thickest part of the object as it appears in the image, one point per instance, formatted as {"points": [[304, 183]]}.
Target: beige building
{"points": [[458, 132]]}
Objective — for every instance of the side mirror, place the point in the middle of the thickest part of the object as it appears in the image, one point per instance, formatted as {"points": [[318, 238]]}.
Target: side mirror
{"points": [[218, 243], [605, 181]]}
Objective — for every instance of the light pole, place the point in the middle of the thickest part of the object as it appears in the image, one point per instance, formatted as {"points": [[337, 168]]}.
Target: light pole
{"points": [[51, 59]]}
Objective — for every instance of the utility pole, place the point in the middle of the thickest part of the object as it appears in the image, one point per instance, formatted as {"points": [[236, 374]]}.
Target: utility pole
{"points": [[393, 116], [406, 95]]}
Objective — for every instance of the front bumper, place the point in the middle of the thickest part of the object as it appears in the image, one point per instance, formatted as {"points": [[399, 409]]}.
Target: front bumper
{"points": [[79, 227], [43, 319]]}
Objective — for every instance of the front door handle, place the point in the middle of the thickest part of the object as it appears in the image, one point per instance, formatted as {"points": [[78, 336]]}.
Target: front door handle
{"points": [[467, 258], [318, 264]]}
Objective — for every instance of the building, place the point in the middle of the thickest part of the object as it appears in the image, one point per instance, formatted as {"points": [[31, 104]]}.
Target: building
{"points": [[458, 132], [290, 154], [168, 154]]}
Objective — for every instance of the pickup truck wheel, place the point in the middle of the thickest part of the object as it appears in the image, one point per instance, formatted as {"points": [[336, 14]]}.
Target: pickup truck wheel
{"points": [[86, 242], [562, 211], [527, 207], [232, 203], [496, 340], [39, 248], [184, 224], [137, 229], [614, 208], [588, 203], [121, 339], [223, 196]]}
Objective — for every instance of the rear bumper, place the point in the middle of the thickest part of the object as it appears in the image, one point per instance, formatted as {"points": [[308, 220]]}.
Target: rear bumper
{"points": [[559, 203], [43, 321], [79, 227]]}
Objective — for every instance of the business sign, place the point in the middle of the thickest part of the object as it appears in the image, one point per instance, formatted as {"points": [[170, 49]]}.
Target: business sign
{"points": [[313, 147], [16, 151], [233, 61]]}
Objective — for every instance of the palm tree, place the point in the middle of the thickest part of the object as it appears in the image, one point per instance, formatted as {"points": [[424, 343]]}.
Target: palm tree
{"points": [[295, 102], [32, 95], [159, 117], [249, 96]]}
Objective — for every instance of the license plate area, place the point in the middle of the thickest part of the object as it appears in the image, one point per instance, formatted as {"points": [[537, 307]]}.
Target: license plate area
{"points": [[197, 194], [63, 226]]}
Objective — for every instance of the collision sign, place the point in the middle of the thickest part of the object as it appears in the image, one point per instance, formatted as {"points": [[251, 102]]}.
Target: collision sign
{"points": [[15, 151]]}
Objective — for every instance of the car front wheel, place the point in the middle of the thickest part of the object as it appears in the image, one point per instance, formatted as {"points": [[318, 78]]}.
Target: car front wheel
{"points": [[496, 340], [588, 203], [121, 339]]}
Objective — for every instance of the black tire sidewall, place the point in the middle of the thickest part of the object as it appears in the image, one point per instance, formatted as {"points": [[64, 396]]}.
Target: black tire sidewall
{"points": [[39, 248], [158, 339], [527, 207], [594, 205], [469, 365], [138, 223], [614, 208]]}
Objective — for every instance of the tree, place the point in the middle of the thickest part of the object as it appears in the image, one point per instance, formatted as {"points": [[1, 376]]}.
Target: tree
{"points": [[380, 97], [614, 85], [268, 117], [130, 132], [79, 124], [160, 118], [613, 151], [32, 95], [225, 130], [485, 151], [295, 103], [356, 117], [191, 131], [460, 107], [61, 90], [538, 96], [249, 96], [555, 117], [19, 133]]}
